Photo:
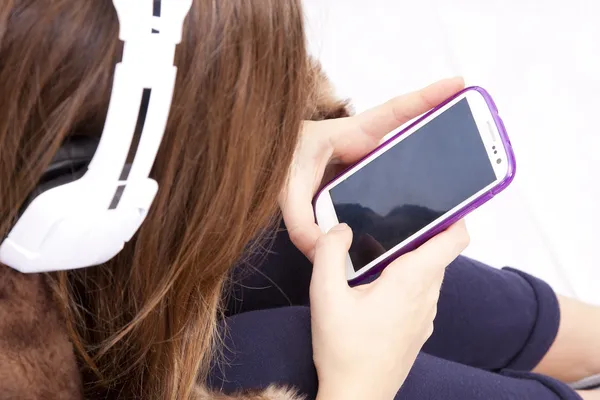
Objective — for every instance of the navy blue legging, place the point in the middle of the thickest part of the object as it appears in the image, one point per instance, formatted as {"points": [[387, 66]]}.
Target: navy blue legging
{"points": [[492, 327]]}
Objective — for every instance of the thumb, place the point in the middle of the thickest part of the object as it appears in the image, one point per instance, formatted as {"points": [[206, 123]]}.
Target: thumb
{"points": [[331, 251]]}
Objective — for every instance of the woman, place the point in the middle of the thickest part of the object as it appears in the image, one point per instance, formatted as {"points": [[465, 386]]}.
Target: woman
{"points": [[152, 322]]}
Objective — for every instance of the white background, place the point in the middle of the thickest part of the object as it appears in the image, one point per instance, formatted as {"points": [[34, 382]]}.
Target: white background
{"points": [[540, 60]]}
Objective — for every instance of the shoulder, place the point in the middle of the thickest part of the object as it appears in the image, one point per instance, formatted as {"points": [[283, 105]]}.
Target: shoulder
{"points": [[36, 356]]}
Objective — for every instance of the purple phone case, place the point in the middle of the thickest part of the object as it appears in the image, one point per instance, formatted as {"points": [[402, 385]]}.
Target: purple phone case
{"points": [[459, 214]]}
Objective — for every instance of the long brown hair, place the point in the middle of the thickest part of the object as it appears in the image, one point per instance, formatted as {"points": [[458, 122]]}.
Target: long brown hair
{"points": [[144, 323]]}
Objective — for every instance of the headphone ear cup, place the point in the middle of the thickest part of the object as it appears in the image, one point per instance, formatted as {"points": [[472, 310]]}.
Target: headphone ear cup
{"points": [[68, 165]]}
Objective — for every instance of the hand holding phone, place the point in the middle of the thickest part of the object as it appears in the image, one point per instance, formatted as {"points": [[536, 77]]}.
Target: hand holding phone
{"points": [[326, 145], [366, 339], [419, 182]]}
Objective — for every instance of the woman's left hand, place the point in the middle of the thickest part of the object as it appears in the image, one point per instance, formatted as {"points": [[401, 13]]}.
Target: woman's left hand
{"points": [[326, 144]]}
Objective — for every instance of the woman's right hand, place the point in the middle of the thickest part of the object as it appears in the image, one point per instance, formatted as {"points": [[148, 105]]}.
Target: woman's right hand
{"points": [[366, 339]]}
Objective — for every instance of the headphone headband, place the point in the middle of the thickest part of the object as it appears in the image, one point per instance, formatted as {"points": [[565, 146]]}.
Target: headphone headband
{"points": [[87, 221]]}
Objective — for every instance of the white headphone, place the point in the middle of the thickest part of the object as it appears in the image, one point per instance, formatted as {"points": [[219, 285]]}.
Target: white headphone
{"points": [[88, 221]]}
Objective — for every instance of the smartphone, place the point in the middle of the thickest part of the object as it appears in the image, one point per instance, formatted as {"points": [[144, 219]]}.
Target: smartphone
{"points": [[418, 182]]}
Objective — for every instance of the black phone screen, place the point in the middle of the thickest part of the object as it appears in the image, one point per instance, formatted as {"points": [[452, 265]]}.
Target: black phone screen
{"points": [[414, 183]]}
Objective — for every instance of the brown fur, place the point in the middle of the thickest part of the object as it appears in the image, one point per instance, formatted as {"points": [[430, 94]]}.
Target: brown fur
{"points": [[36, 358], [324, 103], [271, 393]]}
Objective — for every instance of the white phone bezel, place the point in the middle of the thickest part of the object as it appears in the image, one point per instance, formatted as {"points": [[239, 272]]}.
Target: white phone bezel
{"points": [[325, 212]]}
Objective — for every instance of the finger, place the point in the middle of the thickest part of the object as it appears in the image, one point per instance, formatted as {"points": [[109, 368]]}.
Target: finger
{"points": [[353, 137], [429, 260], [296, 199], [449, 244], [329, 269], [299, 219], [379, 121], [441, 250]]}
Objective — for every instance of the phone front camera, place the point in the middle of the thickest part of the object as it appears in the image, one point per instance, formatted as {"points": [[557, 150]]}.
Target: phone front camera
{"points": [[499, 161]]}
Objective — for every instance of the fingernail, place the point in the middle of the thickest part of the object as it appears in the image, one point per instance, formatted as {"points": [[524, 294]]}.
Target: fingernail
{"points": [[339, 228]]}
